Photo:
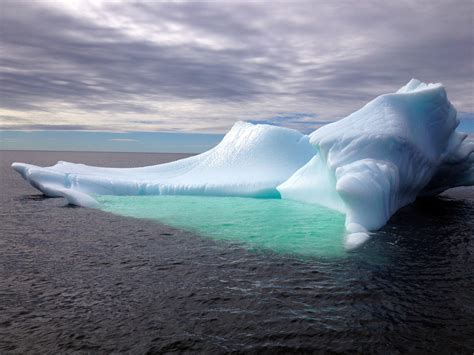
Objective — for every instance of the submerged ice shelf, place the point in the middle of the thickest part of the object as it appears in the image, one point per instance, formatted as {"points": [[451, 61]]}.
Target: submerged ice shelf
{"points": [[367, 165], [280, 226]]}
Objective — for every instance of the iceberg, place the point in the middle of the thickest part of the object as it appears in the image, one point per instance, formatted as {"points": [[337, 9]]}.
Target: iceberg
{"points": [[367, 165], [381, 157], [250, 161]]}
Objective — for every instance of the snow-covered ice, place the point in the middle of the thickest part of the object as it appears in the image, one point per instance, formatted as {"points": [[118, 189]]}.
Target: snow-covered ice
{"points": [[251, 160], [380, 158], [367, 165]]}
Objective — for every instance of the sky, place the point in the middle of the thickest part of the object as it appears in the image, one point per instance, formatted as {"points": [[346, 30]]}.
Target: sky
{"points": [[197, 67], [108, 141]]}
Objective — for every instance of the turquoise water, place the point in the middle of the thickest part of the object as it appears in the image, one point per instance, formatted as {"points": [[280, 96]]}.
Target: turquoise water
{"points": [[273, 224]]}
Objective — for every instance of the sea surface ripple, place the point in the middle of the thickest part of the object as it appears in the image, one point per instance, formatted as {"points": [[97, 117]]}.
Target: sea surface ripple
{"points": [[80, 280]]}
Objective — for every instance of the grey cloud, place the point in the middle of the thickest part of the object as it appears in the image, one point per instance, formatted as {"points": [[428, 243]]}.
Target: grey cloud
{"points": [[302, 121], [118, 66], [148, 122], [306, 51], [53, 127], [8, 118]]}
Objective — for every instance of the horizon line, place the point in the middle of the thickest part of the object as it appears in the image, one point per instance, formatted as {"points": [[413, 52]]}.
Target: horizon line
{"points": [[91, 151]]}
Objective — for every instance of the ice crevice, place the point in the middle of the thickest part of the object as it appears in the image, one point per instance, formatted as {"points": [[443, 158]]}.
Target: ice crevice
{"points": [[367, 165]]}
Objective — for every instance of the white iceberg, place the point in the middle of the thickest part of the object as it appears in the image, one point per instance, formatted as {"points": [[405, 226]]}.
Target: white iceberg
{"points": [[251, 160], [381, 157], [367, 165]]}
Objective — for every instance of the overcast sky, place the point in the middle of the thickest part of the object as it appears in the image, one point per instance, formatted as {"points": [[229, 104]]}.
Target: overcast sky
{"points": [[200, 66]]}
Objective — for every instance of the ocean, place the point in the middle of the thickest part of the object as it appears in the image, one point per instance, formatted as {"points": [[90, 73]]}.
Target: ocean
{"points": [[82, 280]]}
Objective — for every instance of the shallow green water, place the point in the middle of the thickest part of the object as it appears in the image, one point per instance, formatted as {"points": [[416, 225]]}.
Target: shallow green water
{"points": [[278, 225]]}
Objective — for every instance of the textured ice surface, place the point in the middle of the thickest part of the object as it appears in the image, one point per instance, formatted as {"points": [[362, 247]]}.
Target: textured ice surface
{"points": [[367, 165], [383, 156], [251, 160]]}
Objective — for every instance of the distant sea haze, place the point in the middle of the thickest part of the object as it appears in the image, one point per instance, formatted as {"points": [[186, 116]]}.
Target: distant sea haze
{"points": [[146, 142], [98, 141]]}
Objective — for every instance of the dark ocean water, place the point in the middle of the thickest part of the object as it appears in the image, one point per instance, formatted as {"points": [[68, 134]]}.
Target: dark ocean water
{"points": [[79, 280]]}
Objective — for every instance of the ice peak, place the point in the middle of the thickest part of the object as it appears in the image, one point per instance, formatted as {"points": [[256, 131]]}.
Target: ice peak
{"points": [[416, 85]]}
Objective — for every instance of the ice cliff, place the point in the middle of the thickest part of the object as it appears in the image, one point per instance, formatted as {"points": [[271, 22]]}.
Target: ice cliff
{"points": [[381, 157], [366, 165]]}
